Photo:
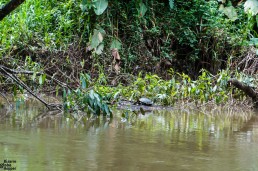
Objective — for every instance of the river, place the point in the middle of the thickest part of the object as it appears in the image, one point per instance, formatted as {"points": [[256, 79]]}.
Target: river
{"points": [[158, 140]]}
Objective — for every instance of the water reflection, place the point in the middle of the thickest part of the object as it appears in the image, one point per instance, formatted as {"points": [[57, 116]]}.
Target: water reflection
{"points": [[159, 140]]}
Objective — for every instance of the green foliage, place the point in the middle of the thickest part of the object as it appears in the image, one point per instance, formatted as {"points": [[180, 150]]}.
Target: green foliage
{"points": [[251, 6], [86, 99], [179, 89], [42, 79], [195, 37], [142, 9], [116, 44], [97, 41], [145, 32], [230, 12], [43, 24], [171, 4], [194, 32], [100, 6]]}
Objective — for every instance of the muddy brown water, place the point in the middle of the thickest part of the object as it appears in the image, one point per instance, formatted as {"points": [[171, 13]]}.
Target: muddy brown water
{"points": [[158, 140]]}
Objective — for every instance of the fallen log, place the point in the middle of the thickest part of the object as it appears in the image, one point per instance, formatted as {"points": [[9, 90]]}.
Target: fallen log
{"points": [[248, 90]]}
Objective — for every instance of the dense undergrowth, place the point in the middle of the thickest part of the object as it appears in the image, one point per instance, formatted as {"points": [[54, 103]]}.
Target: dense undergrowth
{"points": [[150, 36], [169, 51]]}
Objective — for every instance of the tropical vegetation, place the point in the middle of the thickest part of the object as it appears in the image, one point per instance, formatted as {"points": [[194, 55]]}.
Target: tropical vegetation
{"points": [[97, 52]]}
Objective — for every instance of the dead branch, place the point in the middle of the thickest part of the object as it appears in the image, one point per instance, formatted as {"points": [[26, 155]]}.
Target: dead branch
{"points": [[12, 71], [249, 62], [9, 73], [9, 7]]}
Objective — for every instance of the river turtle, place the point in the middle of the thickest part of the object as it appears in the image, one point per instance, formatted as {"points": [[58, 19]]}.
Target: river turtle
{"points": [[145, 101]]}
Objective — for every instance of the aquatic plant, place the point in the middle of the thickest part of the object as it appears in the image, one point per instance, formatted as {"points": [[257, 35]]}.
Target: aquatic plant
{"points": [[85, 99], [179, 89]]}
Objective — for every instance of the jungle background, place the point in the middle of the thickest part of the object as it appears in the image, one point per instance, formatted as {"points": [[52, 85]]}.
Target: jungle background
{"points": [[97, 52]]}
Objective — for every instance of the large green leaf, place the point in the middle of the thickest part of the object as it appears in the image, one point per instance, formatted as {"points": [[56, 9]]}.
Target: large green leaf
{"points": [[116, 44], [83, 82], [42, 79], [253, 41], [83, 5], [97, 38], [143, 9], [100, 49], [100, 6], [171, 4], [230, 12], [251, 6]]}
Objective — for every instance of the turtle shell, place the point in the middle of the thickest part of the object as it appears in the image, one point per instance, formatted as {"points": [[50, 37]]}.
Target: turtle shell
{"points": [[145, 101]]}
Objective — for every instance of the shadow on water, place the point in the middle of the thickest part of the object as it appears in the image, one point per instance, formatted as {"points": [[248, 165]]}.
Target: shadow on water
{"points": [[158, 140]]}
